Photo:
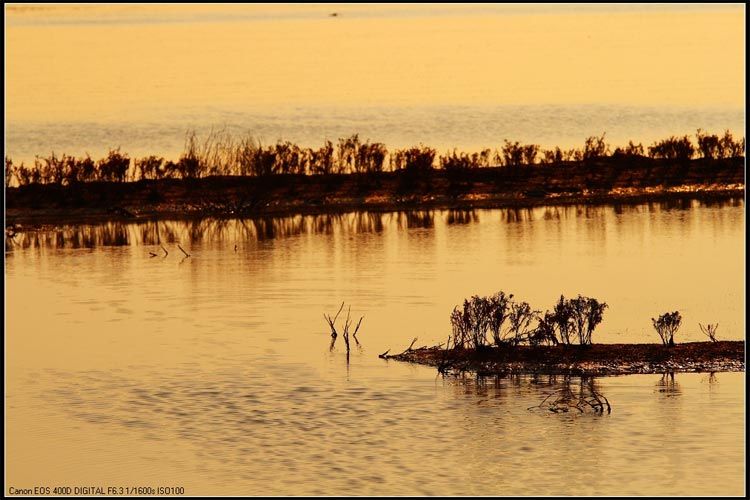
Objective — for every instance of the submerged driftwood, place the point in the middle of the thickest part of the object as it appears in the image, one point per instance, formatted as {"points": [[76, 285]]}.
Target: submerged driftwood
{"points": [[596, 359]]}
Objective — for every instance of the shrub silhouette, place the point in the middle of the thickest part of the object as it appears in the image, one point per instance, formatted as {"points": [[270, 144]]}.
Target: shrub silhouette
{"points": [[478, 316], [562, 318], [672, 149], [586, 314], [114, 167], [708, 145], [729, 148], [667, 325], [513, 153], [346, 153], [371, 157], [519, 318], [455, 162], [550, 156], [545, 331], [631, 150], [595, 147], [150, 167]]}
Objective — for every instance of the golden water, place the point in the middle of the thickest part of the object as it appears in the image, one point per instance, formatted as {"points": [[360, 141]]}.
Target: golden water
{"points": [[214, 372]]}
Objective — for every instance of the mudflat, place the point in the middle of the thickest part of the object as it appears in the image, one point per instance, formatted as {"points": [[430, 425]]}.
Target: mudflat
{"points": [[595, 359]]}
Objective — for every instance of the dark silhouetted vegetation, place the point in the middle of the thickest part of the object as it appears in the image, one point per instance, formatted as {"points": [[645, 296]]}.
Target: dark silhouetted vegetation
{"points": [[667, 325], [595, 148], [479, 316], [221, 154], [673, 148], [709, 331]]}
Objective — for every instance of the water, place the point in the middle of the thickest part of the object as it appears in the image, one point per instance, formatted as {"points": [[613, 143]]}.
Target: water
{"points": [[84, 79], [214, 372]]}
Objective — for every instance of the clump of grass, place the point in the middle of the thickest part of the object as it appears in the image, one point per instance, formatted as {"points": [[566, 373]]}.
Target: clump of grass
{"points": [[667, 325]]}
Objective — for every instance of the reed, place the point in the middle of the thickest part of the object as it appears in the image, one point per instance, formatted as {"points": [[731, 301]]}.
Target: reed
{"points": [[221, 153]]}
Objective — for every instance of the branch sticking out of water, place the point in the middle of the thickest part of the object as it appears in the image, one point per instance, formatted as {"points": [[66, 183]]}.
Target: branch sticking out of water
{"points": [[331, 322]]}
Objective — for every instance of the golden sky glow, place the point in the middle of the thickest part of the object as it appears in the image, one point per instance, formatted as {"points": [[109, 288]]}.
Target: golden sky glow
{"points": [[132, 62]]}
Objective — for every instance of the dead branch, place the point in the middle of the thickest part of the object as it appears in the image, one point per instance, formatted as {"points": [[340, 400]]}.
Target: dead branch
{"points": [[332, 321], [183, 251], [709, 331], [410, 346], [347, 324], [356, 329]]}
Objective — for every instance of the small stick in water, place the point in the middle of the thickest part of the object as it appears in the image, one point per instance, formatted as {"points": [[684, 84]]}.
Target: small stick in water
{"points": [[183, 251], [165, 250]]}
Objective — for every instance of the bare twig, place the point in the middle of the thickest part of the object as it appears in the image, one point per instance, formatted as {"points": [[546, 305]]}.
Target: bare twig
{"points": [[183, 251], [165, 250], [356, 329], [410, 346], [347, 324], [710, 331]]}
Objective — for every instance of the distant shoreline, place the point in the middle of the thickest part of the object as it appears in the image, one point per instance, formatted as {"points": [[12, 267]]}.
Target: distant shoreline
{"points": [[603, 181]]}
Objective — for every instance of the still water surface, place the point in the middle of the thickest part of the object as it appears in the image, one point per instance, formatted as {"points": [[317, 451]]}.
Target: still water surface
{"points": [[214, 372]]}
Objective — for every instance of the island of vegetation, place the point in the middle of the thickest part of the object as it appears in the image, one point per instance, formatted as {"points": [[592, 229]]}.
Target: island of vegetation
{"points": [[499, 336], [222, 176]]}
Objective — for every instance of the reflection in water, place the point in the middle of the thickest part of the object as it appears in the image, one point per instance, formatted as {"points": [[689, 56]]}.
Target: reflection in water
{"points": [[558, 393], [420, 219], [667, 385], [461, 217], [711, 379], [194, 231], [583, 397]]}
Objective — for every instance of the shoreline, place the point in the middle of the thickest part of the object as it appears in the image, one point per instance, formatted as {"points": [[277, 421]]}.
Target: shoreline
{"points": [[602, 183], [594, 360]]}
